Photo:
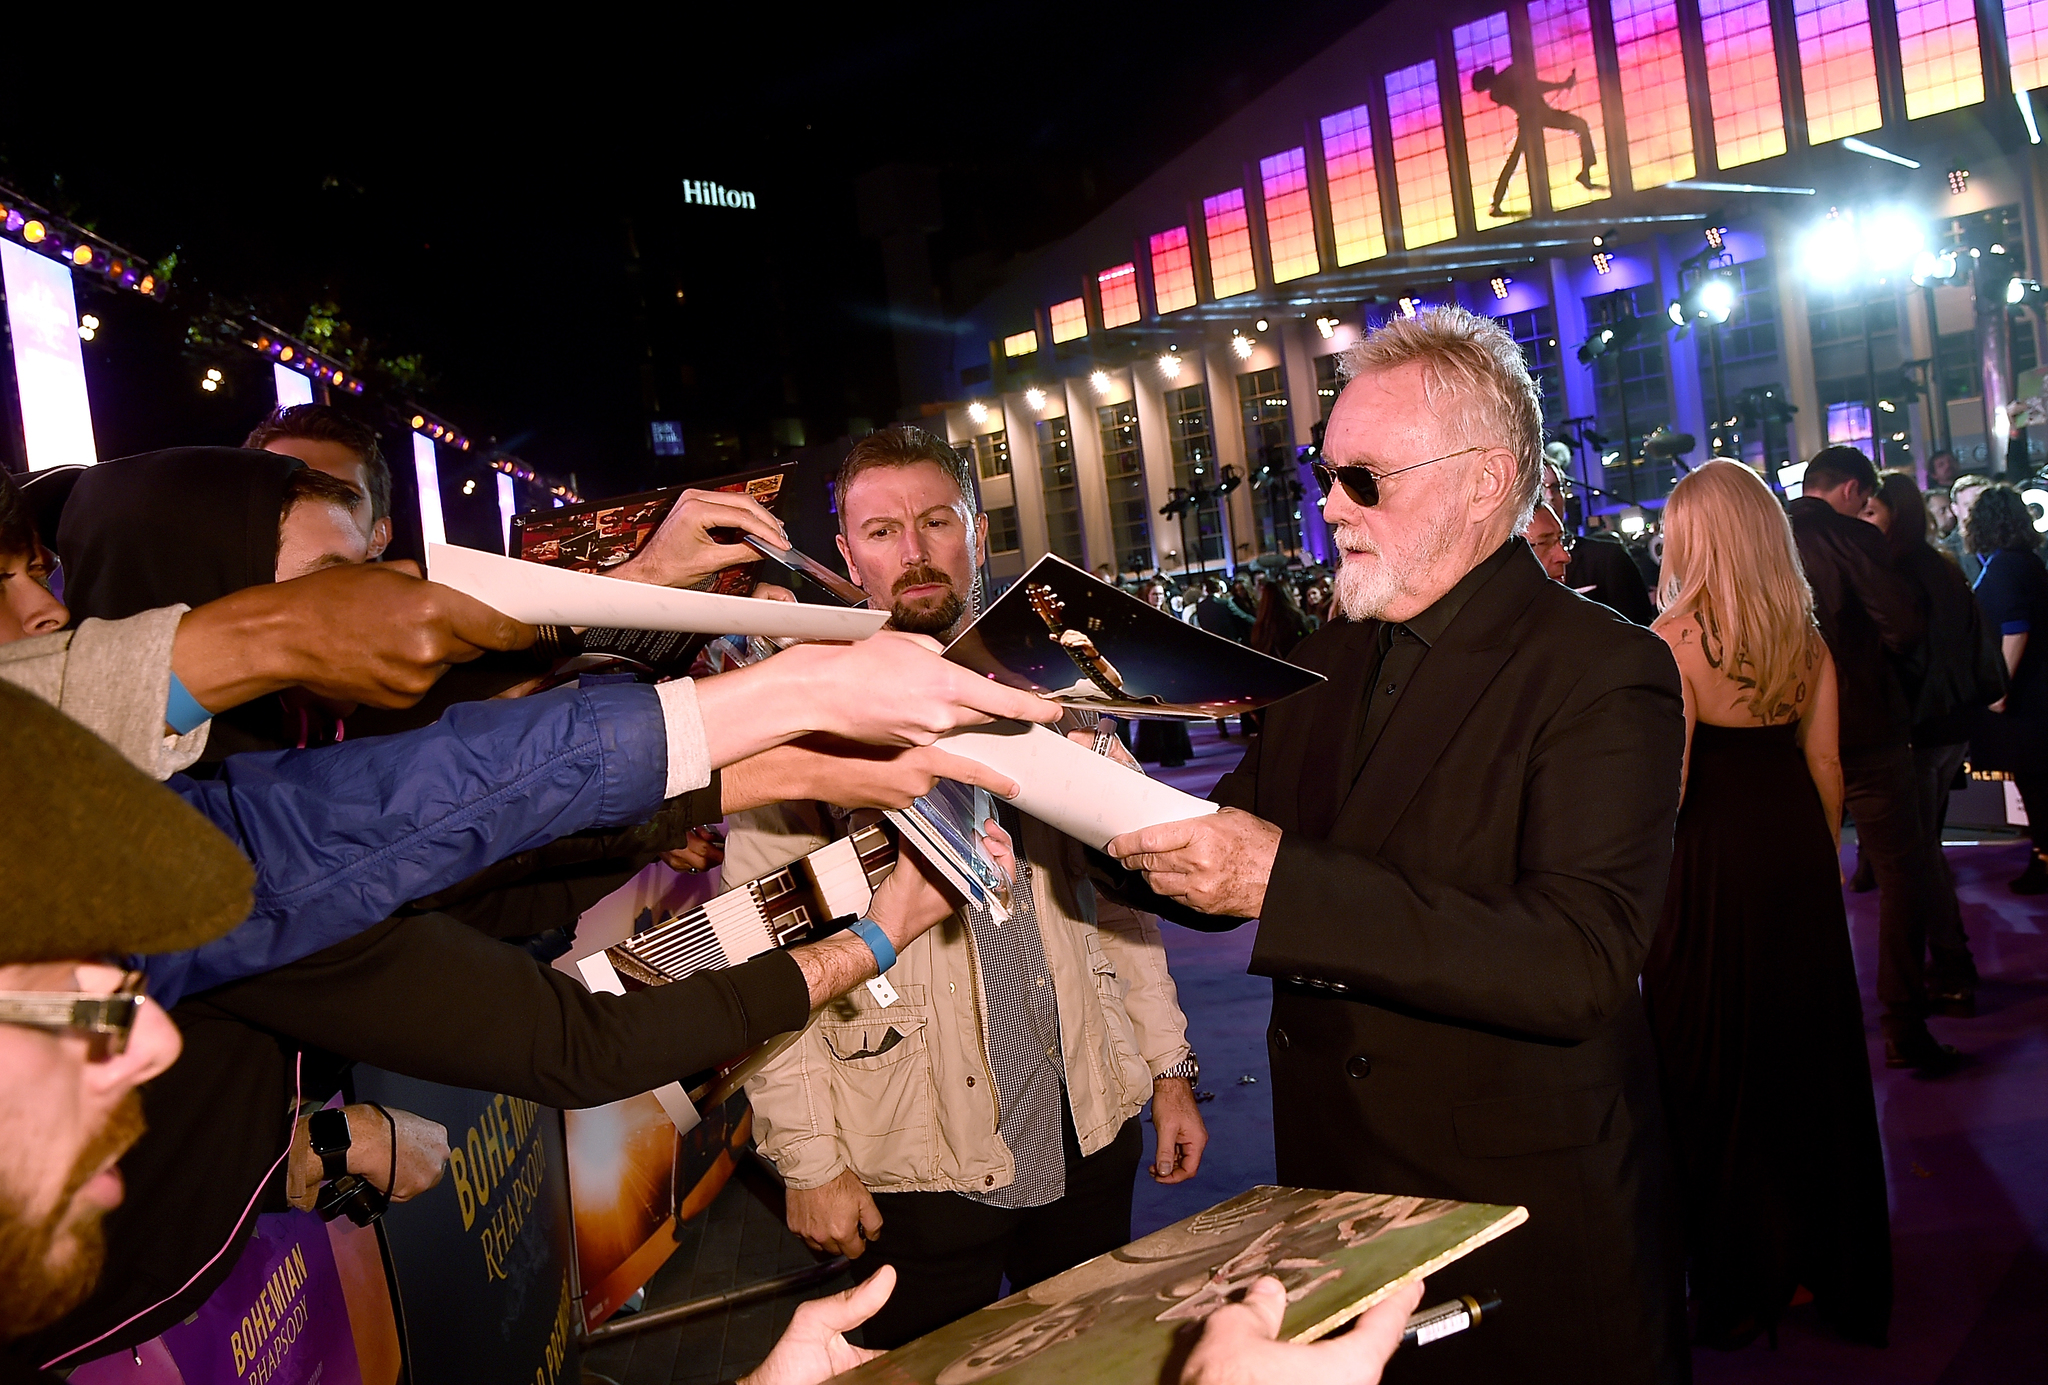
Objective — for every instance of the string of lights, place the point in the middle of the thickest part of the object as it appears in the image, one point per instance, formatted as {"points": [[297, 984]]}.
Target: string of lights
{"points": [[85, 251]]}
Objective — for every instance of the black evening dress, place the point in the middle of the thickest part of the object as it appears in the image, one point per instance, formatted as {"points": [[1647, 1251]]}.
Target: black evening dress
{"points": [[1752, 995]]}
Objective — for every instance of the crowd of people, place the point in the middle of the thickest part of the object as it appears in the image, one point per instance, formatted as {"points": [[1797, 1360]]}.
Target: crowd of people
{"points": [[1545, 874]]}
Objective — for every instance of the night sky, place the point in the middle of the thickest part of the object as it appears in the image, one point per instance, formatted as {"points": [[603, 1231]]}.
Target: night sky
{"points": [[514, 218]]}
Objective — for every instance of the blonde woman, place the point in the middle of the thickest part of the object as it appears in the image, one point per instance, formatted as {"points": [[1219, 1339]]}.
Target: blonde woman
{"points": [[1750, 984]]}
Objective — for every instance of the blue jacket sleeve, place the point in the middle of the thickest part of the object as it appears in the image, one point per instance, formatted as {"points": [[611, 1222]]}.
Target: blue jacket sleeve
{"points": [[344, 835]]}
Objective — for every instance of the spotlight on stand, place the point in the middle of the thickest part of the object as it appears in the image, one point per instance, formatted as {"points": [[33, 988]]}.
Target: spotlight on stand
{"points": [[1958, 180], [1712, 299], [1603, 263], [1499, 285], [1937, 269], [2024, 293]]}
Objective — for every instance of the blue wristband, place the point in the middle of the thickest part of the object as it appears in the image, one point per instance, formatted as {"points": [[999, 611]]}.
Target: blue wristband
{"points": [[870, 932], [182, 712]]}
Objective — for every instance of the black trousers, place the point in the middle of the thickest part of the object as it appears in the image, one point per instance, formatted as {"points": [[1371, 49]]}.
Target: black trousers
{"points": [[1915, 892], [1934, 769], [951, 1252]]}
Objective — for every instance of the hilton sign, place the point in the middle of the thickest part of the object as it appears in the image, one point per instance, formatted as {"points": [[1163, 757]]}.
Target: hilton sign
{"points": [[706, 194]]}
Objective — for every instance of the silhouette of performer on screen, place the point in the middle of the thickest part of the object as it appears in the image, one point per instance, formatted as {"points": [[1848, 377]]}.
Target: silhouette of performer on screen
{"points": [[1523, 94]]}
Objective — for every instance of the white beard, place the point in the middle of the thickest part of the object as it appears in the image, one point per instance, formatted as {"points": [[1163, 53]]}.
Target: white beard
{"points": [[1366, 590]]}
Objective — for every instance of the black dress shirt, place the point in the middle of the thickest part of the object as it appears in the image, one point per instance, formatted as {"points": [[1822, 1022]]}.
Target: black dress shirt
{"points": [[1401, 651]]}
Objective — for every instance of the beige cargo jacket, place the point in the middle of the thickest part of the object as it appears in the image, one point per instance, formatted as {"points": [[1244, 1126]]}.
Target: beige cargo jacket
{"points": [[922, 1116]]}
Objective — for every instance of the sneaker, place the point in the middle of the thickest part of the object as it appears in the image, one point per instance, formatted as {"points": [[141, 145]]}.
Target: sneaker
{"points": [[2034, 879]]}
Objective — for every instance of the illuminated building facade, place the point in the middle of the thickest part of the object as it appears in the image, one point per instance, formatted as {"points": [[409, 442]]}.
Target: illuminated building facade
{"points": [[1573, 168]]}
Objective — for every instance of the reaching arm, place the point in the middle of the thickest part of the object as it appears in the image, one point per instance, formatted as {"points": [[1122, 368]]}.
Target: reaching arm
{"points": [[1820, 739]]}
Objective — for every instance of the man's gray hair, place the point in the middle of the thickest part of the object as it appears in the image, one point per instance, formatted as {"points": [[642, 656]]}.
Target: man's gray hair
{"points": [[1474, 375]]}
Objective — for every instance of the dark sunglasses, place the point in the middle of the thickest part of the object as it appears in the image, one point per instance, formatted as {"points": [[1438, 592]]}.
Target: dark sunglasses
{"points": [[104, 1020], [1362, 484]]}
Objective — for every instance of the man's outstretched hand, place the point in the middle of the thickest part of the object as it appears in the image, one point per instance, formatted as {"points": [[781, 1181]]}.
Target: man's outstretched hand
{"points": [[682, 552], [1237, 1345], [375, 634], [1219, 864], [814, 1348]]}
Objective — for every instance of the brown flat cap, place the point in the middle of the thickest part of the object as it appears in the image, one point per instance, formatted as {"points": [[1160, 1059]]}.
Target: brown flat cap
{"points": [[97, 858]]}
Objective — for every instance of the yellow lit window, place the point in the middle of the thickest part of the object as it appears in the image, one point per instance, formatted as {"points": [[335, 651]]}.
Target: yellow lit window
{"points": [[1562, 31], [1069, 320], [1290, 222], [1837, 68], [1354, 185], [1653, 91], [1422, 165], [1938, 56], [1173, 271], [1021, 344], [1119, 289], [1494, 157], [1229, 232], [1742, 81]]}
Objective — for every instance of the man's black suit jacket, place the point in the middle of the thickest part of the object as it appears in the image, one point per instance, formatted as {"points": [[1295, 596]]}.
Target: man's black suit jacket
{"points": [[1602, 562], [1454, 940]]}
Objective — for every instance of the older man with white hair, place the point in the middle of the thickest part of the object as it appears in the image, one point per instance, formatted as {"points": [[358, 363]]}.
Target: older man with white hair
{"points": [[1457, 848]]}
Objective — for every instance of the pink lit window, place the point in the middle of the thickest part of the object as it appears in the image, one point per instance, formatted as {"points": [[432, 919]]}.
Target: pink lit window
{"points": [[1938, 56], [1290, 223], [1562, 34], [2026, 42], [1653, 91], [1229, 232], [1494, 157], [1070, 320], [1422, 165], [1173, 271], [1119, 290], [1742, 81], [1354, 187], [1837, 68]]}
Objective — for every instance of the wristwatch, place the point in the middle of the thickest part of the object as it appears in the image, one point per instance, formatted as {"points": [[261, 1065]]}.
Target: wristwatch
{"points": [[1189, 1067], [329, 1130]]}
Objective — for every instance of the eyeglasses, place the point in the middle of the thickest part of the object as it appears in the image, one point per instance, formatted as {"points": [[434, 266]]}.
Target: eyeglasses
{"points": [[105, 1020], [1362, 484]]}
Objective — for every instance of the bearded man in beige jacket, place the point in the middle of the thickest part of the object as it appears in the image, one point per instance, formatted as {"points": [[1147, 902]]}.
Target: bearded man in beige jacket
{"points": [[982, 1125]]}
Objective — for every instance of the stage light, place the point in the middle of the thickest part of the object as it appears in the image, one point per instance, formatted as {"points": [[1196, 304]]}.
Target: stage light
{"points": [[1997, 250], [1500, 286], [1716, 298], [1409, 306], [1100, 380], [1262, 325], [1887, 406], [88, 327], [82, 256], [33, 232], [285, 353], [2036, 500], [337, 377], [1327, 326], [1169, 366], [148, 284], [2024, 292], [1632, 523], [1035, 397], [1934, 267], [211, 381], [1242, 345], [419, 421], [1959, 180], [469, 486], [1716, 236], [1675, 310], [1857, 146], [1828, 253], [1603, 263], [978, 411]]}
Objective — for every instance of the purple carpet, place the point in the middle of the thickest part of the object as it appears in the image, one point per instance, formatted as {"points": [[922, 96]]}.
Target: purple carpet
{"points": [[1967, 1156]]}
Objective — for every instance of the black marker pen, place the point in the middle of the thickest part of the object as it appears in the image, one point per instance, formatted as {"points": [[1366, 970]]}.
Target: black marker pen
{"points": [[1443, 1319]]}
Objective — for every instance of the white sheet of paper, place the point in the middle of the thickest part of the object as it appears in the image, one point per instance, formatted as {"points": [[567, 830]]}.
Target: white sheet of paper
{"points": [[543, 595], [1066, 785]]}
